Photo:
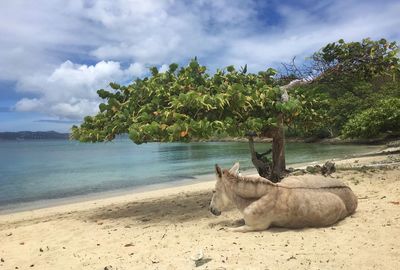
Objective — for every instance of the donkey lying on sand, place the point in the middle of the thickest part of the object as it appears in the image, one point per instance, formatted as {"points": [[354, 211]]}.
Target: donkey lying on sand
{"points": [[296, 202]]}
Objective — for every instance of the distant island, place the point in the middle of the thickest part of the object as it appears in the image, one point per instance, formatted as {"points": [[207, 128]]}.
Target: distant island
{"points": [[33, 135]]}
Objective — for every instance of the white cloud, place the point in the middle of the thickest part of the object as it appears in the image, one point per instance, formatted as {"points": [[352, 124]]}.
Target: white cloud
{"points": [[164, 68], [70, 90], [305, 32], [121, 38], [137, 69], [29, 104], [39, 35], [156, 32]]}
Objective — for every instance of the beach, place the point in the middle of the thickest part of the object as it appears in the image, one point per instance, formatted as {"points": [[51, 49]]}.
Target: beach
{"points": [[167, 228]]}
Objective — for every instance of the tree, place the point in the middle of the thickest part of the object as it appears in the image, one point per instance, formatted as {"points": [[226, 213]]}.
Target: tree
{"points": [[187, 103], [348, 77], [357, 60], [341, 62]]}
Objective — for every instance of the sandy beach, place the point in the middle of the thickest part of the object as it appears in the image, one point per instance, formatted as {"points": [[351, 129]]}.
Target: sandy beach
{"points": [[164, 229]]}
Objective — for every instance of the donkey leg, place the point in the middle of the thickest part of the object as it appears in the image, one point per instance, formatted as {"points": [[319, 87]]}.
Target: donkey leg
{"points": [[249, 228], [256, 216], [243, 228]]}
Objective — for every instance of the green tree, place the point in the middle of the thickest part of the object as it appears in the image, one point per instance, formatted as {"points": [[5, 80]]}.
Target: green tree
{"points": [[347, 79], [339, 62], [187, 103]]}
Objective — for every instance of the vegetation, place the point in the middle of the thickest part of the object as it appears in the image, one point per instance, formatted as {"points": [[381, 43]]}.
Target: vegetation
{"points": [[187, 103], [349, 78], [353, 90], [382, 118]]}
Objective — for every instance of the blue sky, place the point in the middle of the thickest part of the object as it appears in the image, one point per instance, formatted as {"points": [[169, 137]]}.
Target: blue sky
{"points": [[55, 54]]}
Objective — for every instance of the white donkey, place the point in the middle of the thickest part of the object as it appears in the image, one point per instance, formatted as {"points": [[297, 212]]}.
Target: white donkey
{"points": [[296, 202]]}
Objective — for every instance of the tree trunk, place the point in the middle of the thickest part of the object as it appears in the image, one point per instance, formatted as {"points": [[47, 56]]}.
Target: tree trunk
{"points": [[276, 170], [263, 168], [278, 152], [278, 139]]}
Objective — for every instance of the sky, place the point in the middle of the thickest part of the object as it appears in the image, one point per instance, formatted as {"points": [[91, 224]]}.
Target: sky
{"points": [[55, 54]]}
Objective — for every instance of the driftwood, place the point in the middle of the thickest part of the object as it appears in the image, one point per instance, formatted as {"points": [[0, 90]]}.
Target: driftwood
{"points": [[326, 169]]}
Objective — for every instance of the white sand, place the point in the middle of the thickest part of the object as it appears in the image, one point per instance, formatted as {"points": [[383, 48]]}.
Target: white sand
{"points": [[162, 229]]}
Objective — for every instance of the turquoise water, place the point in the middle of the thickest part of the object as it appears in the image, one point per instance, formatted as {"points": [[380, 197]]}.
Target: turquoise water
{"points": [[40, 170]]}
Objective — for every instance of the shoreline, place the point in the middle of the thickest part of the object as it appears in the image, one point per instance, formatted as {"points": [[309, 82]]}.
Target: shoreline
{"points": [[330, 141], [97, 196], [50, 203], [164, 228]]}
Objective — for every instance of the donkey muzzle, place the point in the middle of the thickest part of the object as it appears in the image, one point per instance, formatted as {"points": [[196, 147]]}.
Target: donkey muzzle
{"points": [[215, 212]]}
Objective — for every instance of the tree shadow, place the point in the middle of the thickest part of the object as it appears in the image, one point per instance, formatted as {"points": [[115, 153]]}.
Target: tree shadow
{"points": [[178, 208]]}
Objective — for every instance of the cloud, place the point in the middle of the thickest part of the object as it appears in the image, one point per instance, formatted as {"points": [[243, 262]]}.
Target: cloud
{"points": [[70, 90], [164, 68], [305, 31], [59, 57], [156, 32], [36, 36], [137, 69]]}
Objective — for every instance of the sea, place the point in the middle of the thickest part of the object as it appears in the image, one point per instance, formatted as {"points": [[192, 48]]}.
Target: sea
{"points": [[36, 173]]}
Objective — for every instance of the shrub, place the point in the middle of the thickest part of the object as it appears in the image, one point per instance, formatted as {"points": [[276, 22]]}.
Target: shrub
{"points": [[384, 117]]}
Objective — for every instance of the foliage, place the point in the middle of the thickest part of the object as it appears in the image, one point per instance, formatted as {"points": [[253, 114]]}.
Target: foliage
{"points": [[340, 61], [187, 103], [312, 115], [382, 118], [348, 79], [350, 82]]}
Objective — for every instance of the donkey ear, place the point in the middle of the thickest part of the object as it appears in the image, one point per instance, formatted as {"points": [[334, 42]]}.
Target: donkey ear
{"points": [[218, 171], [235, 169]]}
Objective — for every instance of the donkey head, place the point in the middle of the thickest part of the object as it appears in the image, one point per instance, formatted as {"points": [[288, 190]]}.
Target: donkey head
{"points": [[220, 199]]}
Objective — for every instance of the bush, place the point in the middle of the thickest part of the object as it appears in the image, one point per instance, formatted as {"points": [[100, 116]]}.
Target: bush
{"points": [[384, 117]]}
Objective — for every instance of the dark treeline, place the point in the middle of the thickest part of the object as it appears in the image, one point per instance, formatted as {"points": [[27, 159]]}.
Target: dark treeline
{"points": [[31, 135]]}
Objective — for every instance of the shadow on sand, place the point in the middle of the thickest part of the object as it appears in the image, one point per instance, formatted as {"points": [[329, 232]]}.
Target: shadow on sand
{"points": [[178, 208]]}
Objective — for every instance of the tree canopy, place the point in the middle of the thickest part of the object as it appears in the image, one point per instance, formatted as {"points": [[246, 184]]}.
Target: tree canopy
{"points": [[339, 62], [349, 78], [188, 103]]}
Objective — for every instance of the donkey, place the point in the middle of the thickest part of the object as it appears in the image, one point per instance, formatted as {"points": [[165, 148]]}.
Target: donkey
{"points": [[296, 202]]}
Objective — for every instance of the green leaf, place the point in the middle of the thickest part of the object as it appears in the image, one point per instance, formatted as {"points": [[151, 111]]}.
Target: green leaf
{"points": [[230, 68], [102, 107], [154, 71], [115, 86]]}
